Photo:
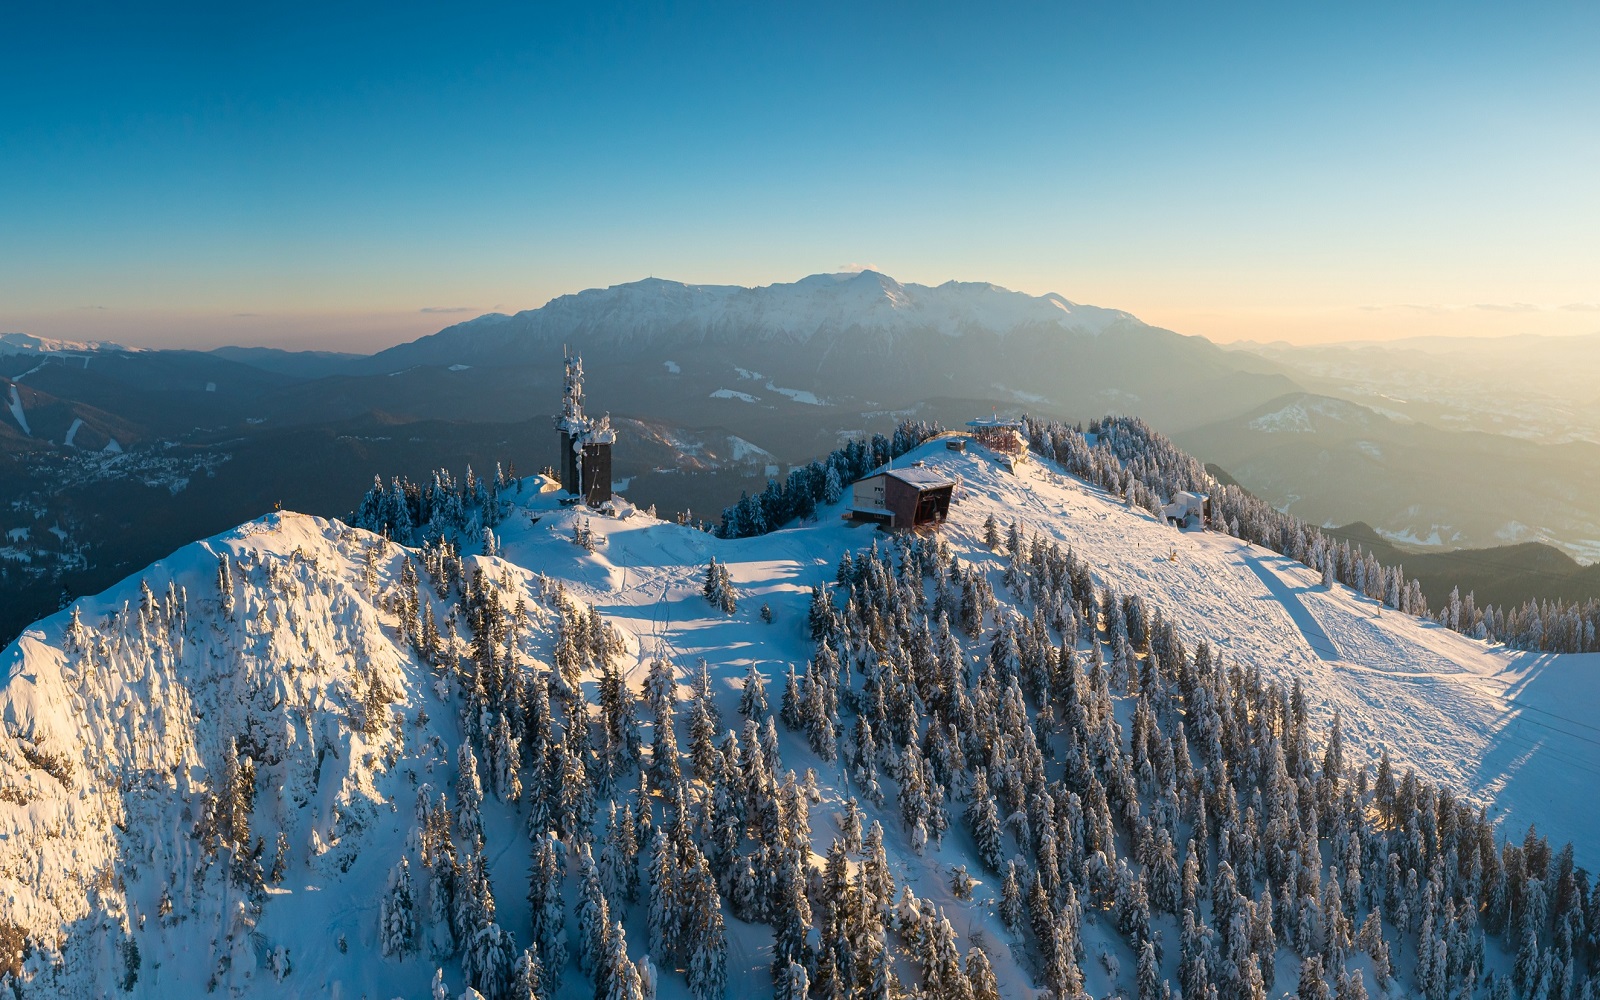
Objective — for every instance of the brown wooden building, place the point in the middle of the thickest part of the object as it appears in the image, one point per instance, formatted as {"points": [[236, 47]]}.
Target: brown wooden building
{"points": [[902, 498]]}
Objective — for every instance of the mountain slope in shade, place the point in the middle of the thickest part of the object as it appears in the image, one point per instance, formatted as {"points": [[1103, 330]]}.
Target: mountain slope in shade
{"points": [[116, 727], [1321, 457], [1502, 575]]}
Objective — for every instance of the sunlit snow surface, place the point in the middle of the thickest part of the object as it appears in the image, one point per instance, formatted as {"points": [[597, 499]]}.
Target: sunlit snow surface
{"points": [[1510, 730]]}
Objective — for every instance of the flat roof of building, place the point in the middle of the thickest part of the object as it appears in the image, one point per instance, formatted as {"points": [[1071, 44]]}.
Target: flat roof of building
{"points": [[921, 477]]}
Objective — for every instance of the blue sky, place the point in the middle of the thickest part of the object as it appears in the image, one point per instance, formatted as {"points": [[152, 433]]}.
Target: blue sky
{"points": [[355, 176]]}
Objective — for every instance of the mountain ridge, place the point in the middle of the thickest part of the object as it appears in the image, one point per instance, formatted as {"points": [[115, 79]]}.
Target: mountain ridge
{"points": [[123, 742], [819, 305]]}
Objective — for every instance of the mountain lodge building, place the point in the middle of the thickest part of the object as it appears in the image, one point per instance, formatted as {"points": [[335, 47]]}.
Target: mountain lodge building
{"points": [[902, 499]]}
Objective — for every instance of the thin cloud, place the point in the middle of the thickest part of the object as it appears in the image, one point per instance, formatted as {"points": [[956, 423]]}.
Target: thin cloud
{"points": [[855, 268], [1508, 307], [1439, 309], [1407, 306], [447, 309], [246, 315]]}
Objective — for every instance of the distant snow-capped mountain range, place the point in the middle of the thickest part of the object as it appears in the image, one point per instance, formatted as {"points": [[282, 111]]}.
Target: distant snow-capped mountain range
{"points": [[821, 306], [27, 343]]}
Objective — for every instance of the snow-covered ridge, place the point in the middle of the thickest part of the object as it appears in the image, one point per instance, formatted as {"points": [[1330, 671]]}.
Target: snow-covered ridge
{"points": [[117, 729], [27, 343], [800, 310], [1296, 417], [121, 718]]}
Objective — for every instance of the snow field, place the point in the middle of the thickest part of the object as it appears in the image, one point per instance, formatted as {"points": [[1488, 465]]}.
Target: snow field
{"points": [[140, 721]]}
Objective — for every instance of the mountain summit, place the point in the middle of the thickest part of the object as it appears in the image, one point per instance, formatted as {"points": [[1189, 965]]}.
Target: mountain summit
{"points": [[818, 307], [860, 340]]}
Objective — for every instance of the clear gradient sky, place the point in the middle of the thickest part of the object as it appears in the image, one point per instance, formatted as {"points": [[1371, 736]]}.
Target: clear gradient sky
{"points": [[349, 177]]}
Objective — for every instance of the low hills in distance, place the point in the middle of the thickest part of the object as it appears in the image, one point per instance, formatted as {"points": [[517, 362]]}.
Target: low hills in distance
{"points": [[113, 455]]}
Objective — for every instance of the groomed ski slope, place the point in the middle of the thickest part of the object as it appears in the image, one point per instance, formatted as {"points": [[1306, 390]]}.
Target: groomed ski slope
{"points": [[1514, 731]]}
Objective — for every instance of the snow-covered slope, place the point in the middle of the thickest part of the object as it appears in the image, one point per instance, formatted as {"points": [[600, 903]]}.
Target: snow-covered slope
{"points": [[1503, 727], [117, 728], [27, 343], [117, 715]]}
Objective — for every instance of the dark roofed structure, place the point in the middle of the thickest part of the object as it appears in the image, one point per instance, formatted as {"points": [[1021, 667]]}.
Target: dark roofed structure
{"points": [[900, 499]]}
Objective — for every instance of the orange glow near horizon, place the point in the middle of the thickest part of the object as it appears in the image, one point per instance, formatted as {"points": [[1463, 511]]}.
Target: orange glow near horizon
{"points": [[365, 330]]}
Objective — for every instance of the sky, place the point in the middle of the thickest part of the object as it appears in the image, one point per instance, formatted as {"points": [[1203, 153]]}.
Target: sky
{"points": [[346, 177]]}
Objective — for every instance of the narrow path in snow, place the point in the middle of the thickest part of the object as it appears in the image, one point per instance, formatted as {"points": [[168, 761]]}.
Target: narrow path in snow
{"points": [[1289, 597]]}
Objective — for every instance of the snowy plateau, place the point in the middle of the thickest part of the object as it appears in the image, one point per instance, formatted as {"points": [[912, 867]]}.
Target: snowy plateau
{"points": [[282, 762]]}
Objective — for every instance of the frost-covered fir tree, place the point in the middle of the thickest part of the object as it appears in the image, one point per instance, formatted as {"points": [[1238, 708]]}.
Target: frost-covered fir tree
{"points": [[708, 956], [469, 795], [528, 981], [546, 906], [753, 698], [983, 819], [397, 917], [594, 918]]}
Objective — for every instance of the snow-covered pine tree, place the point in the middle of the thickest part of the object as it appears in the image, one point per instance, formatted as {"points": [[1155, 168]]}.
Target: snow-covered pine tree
{"points": [[791, 710], [528, 981], [753, 698], [469, 795], [546, 907], [397, 918], [711, 589], [726, 599], [622, 978], [983, 819], [664, 917], [594, 918], [791, 983], [703, 928]]}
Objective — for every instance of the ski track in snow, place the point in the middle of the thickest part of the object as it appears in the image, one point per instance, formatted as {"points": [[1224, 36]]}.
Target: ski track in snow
{"points": [[1437, 700]]}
